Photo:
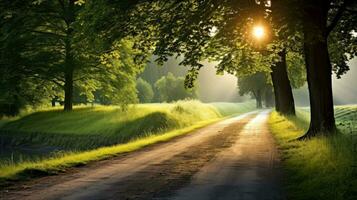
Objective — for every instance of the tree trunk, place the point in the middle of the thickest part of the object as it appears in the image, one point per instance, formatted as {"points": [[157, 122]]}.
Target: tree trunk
{"points": [[258, 99], [276, 91], [269, 99], [69, 60], [53, 102], [318, 68], [284, 100], [68, 78], [68, 91]]}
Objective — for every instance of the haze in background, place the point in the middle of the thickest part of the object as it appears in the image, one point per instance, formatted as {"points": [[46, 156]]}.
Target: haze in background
{"points": [[223, 88], [216, 88], [344, 89], [211, 87]]}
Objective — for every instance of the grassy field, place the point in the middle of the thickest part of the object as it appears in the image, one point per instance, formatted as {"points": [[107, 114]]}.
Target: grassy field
{"points": [[93, 133], [92, 127], [320, 168]]}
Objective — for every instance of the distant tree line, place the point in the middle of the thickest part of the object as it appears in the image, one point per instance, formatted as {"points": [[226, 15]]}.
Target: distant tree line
{"points": [[167, 88]]}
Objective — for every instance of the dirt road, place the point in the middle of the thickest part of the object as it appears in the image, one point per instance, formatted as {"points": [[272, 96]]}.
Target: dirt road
{"points": [[232, 159]]}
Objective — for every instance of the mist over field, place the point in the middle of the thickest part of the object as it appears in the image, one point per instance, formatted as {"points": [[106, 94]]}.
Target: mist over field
{"points": [[213, 88], [344, 89]]}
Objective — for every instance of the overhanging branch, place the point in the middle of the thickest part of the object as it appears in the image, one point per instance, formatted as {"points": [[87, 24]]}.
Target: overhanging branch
{"points": [[338, 16]]}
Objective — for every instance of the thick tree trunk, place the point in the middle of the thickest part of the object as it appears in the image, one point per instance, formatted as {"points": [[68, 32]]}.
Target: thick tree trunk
{"points": [[276, 91], [284, 100], [258, 99], [68, 91], [269, 98], [318, 68]]}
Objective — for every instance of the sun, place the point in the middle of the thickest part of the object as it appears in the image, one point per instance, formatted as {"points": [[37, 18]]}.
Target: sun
{"points": [[258, 31]]}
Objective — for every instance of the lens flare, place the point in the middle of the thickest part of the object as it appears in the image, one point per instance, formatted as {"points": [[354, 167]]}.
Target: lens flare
{"points": [[258, 32]]}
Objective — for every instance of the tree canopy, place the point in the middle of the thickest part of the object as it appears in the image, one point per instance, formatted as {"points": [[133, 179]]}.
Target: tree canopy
{"points": [[45, 44]]}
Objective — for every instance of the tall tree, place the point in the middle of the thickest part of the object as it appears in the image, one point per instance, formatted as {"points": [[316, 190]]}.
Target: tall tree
{"points": [[256, 85], [284, 100], [58, 46], [320, 18]]}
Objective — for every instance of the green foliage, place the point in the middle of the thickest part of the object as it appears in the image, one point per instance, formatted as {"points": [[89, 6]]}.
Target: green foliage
{"points": [[342, 41], [256, 85], [117, 79], [145, 92], [200, 30], [342, 48], [52, 44], [19, 83], [171, 88], [154, 72], [252, 84], [296, 69]]}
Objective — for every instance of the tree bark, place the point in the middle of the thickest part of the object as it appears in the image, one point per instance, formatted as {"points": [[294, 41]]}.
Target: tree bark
{"points": [[68, 78], [258, 99], [318, 68], [68, 91], [269, 98], [69, 60], [284, 100], [276, 91]]}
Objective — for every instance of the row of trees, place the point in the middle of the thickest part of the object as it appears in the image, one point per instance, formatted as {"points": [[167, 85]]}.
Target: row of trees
{"points": [[320, 31], [259, 85], [60, 43]]}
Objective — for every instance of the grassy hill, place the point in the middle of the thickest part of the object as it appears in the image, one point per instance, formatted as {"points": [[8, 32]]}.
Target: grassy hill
{"points": [[91, 127], [62, 139]]}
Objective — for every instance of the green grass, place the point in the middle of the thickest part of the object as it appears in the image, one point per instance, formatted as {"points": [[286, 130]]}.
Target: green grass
{"points": [[56, 164], [226, 109], [94, 133], [92, 127], [319, 168]]}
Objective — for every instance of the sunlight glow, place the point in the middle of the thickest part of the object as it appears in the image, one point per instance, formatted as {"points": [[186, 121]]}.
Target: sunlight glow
{"points": [[258, 31]]}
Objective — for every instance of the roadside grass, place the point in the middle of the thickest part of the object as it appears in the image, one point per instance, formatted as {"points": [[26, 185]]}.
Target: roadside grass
{"points": [[59, 163], [4, 120], [94, 133], [225, 108], [319, 168], [91, 127]]}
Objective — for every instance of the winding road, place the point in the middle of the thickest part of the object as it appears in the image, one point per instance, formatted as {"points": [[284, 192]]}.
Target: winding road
{"points": [[233, 159]]}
